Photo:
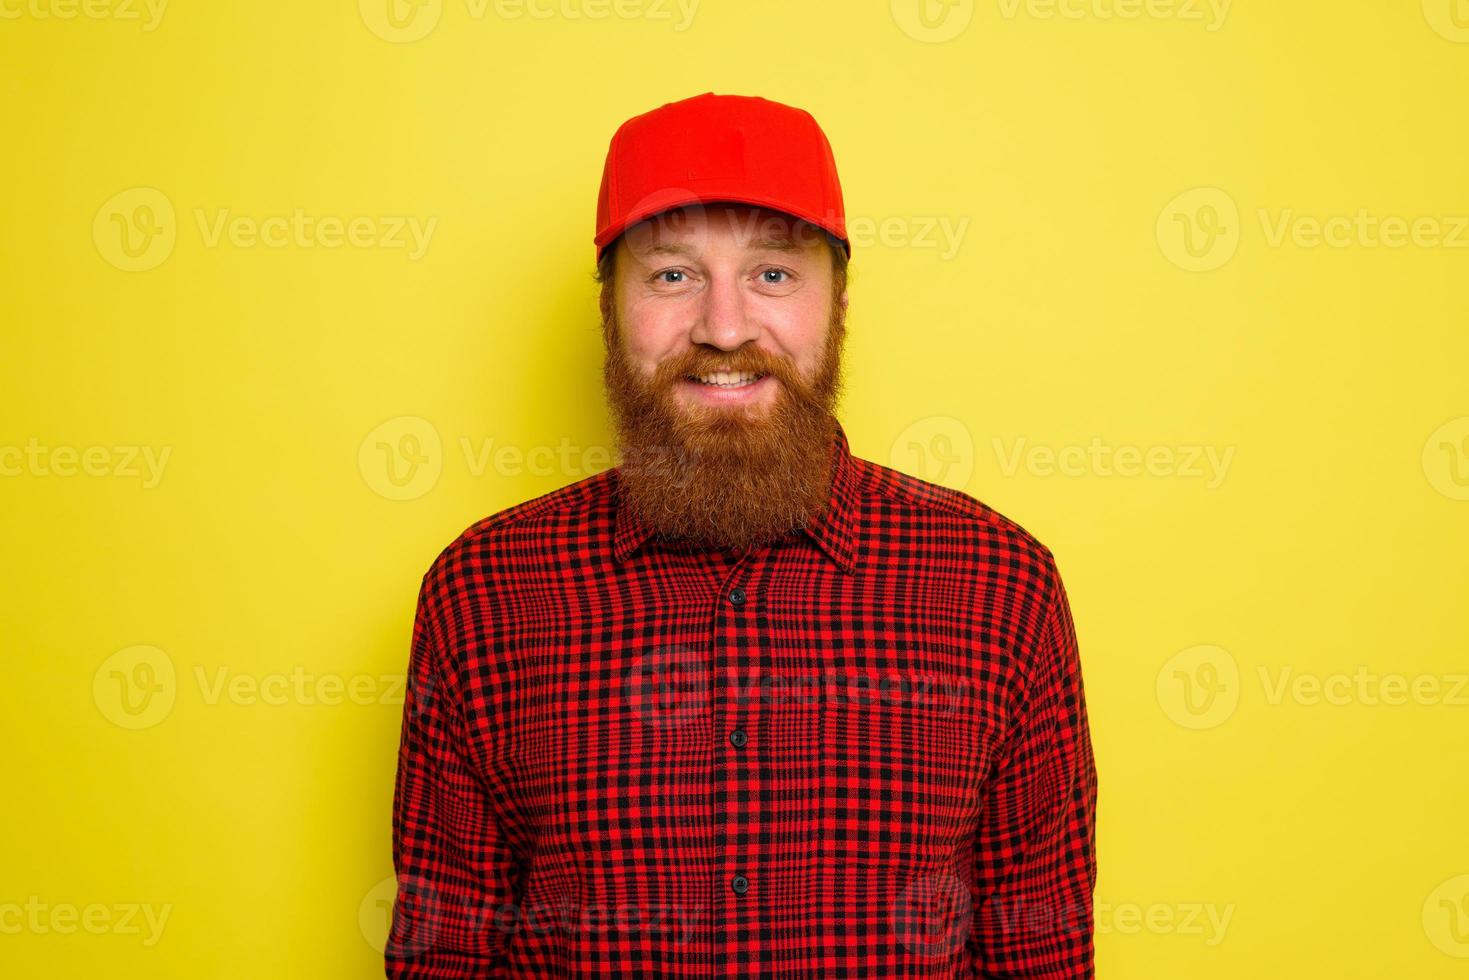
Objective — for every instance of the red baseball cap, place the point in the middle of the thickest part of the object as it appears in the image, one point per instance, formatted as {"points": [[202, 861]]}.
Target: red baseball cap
{"points": [[708, 148]]}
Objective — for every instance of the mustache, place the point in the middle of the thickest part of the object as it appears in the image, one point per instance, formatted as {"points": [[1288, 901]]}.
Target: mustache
{"points": [[696, 363]]}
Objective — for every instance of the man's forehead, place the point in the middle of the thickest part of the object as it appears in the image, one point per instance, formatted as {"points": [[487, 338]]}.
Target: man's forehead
{"points": [[682, 228]]}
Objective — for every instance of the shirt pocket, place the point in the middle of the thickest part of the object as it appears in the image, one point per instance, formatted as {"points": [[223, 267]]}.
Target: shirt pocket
{"points": [[903, 761]]}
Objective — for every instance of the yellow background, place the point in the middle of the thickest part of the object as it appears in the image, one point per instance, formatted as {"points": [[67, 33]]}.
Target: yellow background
{"points": [[1073, 151]]}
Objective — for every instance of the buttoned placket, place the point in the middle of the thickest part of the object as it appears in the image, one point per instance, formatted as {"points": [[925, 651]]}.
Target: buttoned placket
{"points": [[734, 880]]}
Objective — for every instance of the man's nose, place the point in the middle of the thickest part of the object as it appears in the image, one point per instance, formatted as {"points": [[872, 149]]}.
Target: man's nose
{"points": [[723, 319]]}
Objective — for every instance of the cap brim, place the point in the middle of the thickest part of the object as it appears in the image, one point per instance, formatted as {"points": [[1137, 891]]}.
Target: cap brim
{"points": [[675, 197]]}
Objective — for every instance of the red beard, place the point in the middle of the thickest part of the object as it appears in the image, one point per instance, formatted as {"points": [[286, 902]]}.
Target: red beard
{"points": [[734, 477]]}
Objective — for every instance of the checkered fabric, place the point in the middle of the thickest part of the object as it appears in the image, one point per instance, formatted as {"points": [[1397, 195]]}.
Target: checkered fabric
{"points": [[859, 751]]}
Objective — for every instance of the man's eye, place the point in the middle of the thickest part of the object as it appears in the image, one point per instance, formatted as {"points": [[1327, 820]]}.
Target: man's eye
{"points": [[768, 273], [670, 272]]}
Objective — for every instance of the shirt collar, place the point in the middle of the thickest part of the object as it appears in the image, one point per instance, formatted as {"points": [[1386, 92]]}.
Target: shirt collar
{"points": [[833, 530]]}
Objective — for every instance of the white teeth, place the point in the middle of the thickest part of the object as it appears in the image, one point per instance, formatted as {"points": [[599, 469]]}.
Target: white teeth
{"points": [[729, 379]]}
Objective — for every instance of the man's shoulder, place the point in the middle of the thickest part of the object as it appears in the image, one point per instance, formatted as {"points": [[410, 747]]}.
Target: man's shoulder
{"points": [[960, 537], [552, 514], [937, 509]]}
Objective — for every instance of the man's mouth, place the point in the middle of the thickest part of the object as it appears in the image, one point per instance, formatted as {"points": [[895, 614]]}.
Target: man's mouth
{"points": [[726, 379]]}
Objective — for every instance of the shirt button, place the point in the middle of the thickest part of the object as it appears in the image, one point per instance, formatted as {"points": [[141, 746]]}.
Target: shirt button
{"points": [[740, 884], [737, 596], [738, 738]]}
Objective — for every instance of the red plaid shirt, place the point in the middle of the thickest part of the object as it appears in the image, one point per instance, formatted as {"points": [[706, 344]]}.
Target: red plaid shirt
{"points": [[859, 751]]}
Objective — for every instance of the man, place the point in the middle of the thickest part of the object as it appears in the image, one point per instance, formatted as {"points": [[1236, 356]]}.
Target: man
{"points": [[745, 704]]}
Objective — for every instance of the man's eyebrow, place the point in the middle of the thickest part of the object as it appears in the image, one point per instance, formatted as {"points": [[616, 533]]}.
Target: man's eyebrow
{"points": [[667, 248], [776, 245]]}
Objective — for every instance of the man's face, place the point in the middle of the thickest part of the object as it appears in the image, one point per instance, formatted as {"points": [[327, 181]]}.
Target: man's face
{"points": [[725, 286], [724, 339]]}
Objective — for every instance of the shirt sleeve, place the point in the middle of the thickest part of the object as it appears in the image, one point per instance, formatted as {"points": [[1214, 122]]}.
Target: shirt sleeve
{"points": [[1035, 860], [456, 873]]}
